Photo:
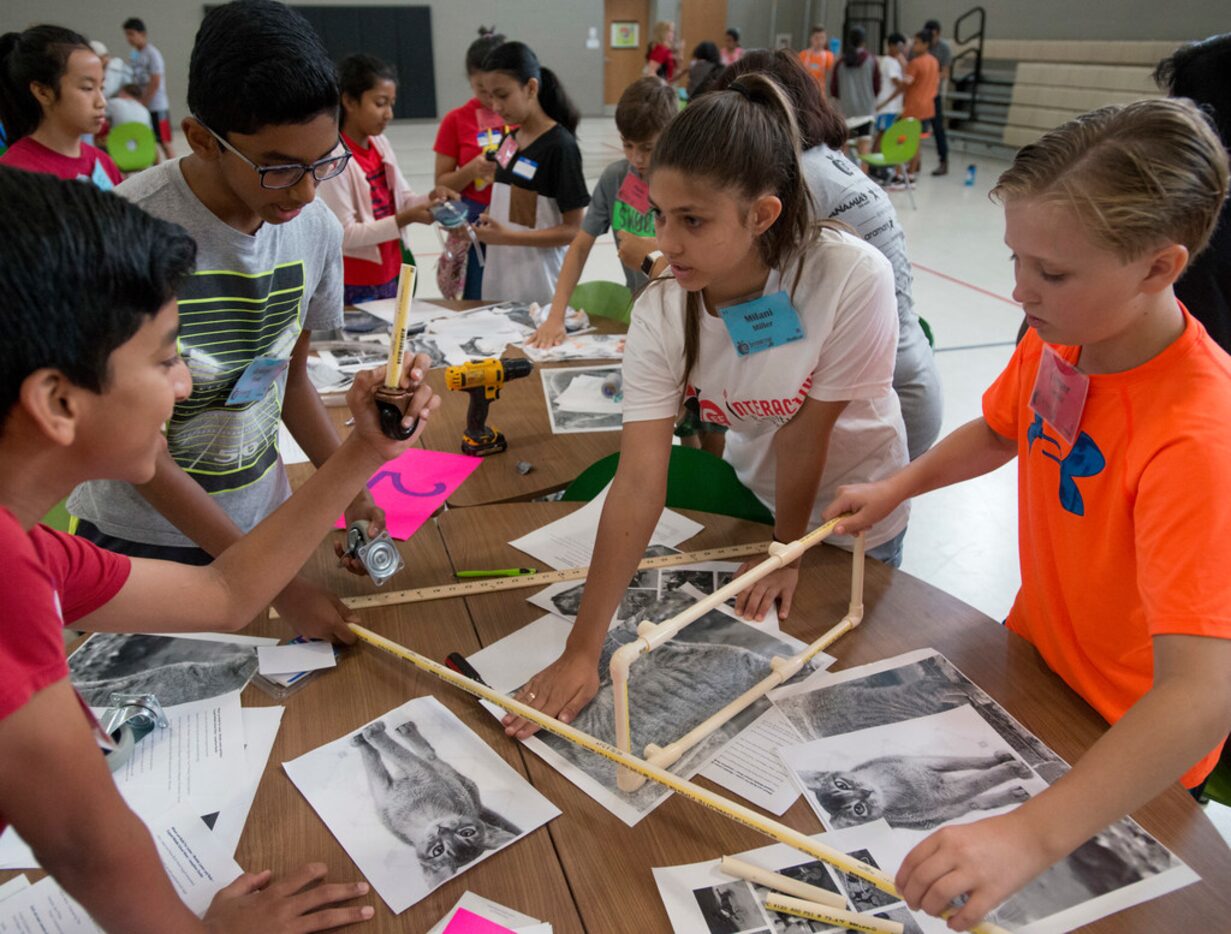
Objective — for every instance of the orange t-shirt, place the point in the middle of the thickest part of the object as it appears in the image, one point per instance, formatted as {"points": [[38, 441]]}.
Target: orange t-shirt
{"points": [[819, 64], [919, 98], [1126, 534]]}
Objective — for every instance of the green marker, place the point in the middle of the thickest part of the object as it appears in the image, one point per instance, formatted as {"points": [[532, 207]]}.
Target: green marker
{"points": [[498, 572]]}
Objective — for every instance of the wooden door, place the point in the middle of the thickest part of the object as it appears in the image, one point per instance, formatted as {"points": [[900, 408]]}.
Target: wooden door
{"points": [[701, 21], [621, 67]]}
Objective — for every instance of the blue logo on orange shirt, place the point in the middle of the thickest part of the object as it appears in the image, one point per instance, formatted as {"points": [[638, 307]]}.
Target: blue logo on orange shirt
{"points": [[1083, 460]]}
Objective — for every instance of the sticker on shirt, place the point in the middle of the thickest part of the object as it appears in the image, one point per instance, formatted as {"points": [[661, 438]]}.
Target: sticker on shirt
{"points": [[1059, 394], [506, 152], [489, 140], [525, 168], [256, 379], [100, 178], [765, 322], [635, 193]]}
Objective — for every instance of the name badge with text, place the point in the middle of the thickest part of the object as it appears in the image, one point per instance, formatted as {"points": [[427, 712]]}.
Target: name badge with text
{"points": [[765, 322], [255, 381]]}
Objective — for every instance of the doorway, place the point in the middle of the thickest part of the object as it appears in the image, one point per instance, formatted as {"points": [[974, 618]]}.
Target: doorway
{"points": [[622, 66]]}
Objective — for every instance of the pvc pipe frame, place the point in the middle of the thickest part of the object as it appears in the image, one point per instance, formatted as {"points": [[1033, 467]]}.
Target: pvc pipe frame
{"points": [[715, 802], [651, 635]]}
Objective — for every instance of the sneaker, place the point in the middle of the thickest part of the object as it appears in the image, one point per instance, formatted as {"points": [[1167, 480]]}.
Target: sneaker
{"points": [[895, 185], [942, 169]]}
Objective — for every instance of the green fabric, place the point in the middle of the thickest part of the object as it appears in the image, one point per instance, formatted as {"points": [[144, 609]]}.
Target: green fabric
{"points": [[132, 146], [899, 144], [409, 257], [695, 480], [604, 300], [59, 519]]}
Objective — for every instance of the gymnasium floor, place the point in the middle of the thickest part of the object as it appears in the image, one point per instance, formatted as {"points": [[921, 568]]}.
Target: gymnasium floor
{"points": [[962, 539]]}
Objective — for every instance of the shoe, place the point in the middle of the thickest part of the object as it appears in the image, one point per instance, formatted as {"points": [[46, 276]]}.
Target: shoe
{"points": [[942, 169], [896, 185]]}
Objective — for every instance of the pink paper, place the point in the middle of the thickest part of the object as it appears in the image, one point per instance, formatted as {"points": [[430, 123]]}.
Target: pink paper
{"points": [[467, 922], [411, 487]]}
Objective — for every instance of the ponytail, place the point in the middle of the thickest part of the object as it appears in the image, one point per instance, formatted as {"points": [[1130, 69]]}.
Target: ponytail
{"points": [[517, 60], [38, 55], [746, 139]]}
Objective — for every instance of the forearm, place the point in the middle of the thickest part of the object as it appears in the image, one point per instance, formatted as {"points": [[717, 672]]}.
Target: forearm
{"points": [[560, 235], [459, 177], [971, 451], [184, 503], [570, 274], [800, 460]]}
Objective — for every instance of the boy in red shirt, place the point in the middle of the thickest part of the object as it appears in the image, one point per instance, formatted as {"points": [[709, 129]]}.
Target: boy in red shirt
{"points": [[90, 374], [1116, 405]]}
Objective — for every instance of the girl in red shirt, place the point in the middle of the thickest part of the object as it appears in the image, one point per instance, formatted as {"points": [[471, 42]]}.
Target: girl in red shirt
{"points": [[51, 95], [660, 59]]}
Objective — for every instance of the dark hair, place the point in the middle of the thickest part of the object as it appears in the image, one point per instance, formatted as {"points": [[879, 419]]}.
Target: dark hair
{"points": [[518, 61], [818, 121], [925, 36], [645, 108], [855, 39], [358, 74], [733, 33], [896, 38], [87, 270], [933, 25], [134, 23], [815, 29], [744, 139], [1199, 71], [132, 90], [40, 54], [257, 63], [707, 52], [488, 40]]}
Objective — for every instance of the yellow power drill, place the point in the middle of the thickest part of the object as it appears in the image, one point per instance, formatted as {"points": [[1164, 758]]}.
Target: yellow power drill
{"points": [[483, 379]]}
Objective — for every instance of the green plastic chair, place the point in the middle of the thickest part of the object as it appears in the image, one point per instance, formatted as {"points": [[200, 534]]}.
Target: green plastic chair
{"points": [[695, 480], [59, 518], [899, 145], [603, 300], [132, 146]]}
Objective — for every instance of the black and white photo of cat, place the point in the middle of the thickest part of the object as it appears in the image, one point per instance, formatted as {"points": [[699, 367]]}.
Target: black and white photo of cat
{"points": [[416, 798], [175, 670], [730, 908]]}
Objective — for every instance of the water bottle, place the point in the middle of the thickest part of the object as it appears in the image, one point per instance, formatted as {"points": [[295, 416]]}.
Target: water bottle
{"points": [[970, 175]]}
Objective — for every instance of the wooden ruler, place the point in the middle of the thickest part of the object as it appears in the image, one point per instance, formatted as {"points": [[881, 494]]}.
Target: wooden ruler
{"points": [[542, 579]]}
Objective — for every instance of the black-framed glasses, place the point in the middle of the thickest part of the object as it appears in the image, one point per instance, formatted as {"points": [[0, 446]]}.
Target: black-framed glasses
{"points": [[276, 177]]}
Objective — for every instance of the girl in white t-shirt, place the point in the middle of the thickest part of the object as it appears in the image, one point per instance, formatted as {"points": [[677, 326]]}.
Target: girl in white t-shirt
{"points": [[734, 222]]}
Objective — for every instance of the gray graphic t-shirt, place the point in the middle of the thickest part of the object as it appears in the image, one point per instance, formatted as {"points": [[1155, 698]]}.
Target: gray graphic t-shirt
{"points": [[145, 64], [608, 211], [249, 300]]}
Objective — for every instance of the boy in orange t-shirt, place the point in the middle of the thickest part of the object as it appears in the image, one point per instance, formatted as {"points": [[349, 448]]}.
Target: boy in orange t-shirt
{"points": [[817, 58], [1124, 500], [922, 79]]}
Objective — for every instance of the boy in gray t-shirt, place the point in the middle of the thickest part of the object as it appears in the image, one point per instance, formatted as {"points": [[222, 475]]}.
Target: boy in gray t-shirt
{"points": [[149, 73], [619, 202], [269, 272]]}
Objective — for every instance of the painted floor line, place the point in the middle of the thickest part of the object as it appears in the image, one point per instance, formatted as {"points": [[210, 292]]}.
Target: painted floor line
{"points": [[963, 282]]}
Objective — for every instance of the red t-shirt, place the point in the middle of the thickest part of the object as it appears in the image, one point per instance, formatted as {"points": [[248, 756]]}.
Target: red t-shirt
{"points": [[1125, 534], [51, 579], [93, 165], [362, 271], [665, 58], [467, 131]]}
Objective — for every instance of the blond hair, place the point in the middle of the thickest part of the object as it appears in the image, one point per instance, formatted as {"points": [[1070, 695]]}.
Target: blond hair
{"points": [[661, 28], [1137, 175]]}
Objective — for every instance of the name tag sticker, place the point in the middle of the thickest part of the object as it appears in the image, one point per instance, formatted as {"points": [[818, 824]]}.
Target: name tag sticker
{"points": [[255, 381], [508, 149], [1059, 394], [100, 178], [635, 193], [525, 168], [765, 322]]}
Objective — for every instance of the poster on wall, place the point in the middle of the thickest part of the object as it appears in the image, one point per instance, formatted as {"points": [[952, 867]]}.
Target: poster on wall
{"points": [[625, 35]]}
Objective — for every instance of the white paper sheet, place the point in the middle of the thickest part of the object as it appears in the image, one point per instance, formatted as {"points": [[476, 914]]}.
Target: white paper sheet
{"points": [[493, 911], [289, 448], [192, 858], [569, 542], [700, 897], [13, 887], [260, 730], [295, 656], [580, 347], [749, 764], [420, 312], [403, 778], [194, 761]]}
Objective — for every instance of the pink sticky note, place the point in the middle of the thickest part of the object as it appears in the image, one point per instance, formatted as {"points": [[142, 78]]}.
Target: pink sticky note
{"points": [[411, 487], [467, 922]]}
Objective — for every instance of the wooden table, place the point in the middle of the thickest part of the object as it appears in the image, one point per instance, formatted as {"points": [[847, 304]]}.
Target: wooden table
{"points": [[521, 413], [608, 864]]}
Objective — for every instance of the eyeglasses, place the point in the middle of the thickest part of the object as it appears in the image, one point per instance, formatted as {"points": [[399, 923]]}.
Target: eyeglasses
{"points": [[276, 177]]}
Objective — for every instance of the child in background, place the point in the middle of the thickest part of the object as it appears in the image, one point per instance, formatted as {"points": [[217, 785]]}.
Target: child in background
{"points": [[371, 198], [1124, 507], [466, 145], [660, 61], [125, 107], [539, 194], [817, 57], [843, 193], [51, 95], [704, 66], [149, 72], [855, 85], [731, 51], [735, 223], [922, 78], [892, 66], [269, 272], [620, 202], [89, 373]]}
